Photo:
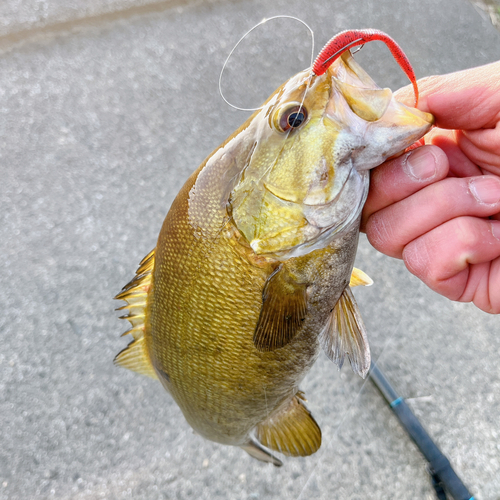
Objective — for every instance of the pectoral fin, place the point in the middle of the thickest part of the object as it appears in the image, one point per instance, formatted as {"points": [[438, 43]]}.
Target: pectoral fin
{"points": [[283, 310], [293, 431], [345, 333]]}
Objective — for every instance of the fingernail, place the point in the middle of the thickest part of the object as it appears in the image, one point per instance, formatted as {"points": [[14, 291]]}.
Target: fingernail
{"points": [[421, 164], [486, 189]]}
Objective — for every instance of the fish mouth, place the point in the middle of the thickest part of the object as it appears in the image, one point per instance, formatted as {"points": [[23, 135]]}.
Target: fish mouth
{"points": [[374, 126], [422, 115], [400, 127]]}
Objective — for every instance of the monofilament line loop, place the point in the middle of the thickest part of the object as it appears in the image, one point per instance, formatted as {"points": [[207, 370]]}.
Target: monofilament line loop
{"points": [[243, 37]]}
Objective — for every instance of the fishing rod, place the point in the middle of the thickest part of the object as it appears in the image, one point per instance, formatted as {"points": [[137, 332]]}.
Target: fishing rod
{"points": [[444, 478]]}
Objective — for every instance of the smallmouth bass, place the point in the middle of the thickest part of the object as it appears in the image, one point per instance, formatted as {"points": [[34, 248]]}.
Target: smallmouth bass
{"points": [[252, 272]]}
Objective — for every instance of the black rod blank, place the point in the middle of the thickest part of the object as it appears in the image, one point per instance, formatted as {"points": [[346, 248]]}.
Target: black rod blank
{"points": [[440, 467]]}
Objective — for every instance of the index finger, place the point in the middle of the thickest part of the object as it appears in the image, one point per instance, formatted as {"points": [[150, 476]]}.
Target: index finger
{"points": [[467, 100]]}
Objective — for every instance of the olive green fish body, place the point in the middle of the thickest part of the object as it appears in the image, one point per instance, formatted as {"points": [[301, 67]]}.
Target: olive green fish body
{"points": [[253, 268], [204, 310]]}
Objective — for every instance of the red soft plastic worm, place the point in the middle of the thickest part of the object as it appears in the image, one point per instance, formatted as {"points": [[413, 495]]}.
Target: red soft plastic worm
{"points": [[351, 38]]}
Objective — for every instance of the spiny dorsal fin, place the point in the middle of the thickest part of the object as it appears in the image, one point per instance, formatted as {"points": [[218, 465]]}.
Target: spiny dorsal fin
{"points": [[283, 310], [135, 357], [358, 277], [293, 431], [345, 333]]}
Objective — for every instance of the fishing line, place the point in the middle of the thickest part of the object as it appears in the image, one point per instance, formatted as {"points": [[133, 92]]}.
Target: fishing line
{"points": [[355, 399], [265, 20], [308, 84]]}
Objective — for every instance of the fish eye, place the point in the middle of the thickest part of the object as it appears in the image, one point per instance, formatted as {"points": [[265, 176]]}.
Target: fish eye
{"points": [[292, 117]]}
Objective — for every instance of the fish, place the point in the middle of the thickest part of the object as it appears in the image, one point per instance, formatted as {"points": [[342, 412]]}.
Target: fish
{"points": [[252, 272]]}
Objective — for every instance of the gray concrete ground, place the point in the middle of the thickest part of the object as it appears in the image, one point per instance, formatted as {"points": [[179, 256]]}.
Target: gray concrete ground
{"points": [[106, 108]]}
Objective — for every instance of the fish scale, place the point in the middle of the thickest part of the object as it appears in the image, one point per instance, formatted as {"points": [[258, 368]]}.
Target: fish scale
{"points": [[236, 338], [191, 381]]}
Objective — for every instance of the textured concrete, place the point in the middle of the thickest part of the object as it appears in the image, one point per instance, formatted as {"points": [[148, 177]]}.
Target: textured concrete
{"points": [[100, 127], [28, 16]]}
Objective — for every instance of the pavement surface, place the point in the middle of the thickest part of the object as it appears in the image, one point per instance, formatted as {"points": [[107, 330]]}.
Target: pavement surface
{"points": [[106, 108]]}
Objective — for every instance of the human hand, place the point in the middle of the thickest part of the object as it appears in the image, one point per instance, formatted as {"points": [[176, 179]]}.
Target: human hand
{"points": [[438, 206]]}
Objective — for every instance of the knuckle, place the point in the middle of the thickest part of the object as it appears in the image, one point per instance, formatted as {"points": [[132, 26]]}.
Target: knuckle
{"points": [[441, 197]]}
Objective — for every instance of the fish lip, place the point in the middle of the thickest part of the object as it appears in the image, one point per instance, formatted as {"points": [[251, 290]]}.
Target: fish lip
{"points": [[428, 117]]}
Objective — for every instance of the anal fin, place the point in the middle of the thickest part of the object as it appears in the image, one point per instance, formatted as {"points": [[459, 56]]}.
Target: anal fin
{"points": [[345, 333], [293, 431], [283, 310]]}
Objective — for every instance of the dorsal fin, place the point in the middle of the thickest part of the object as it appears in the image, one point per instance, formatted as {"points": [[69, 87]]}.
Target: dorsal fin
{"points": [[135, 356], [345, 333], [283, 310], [358, 277], [292, 431]]}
